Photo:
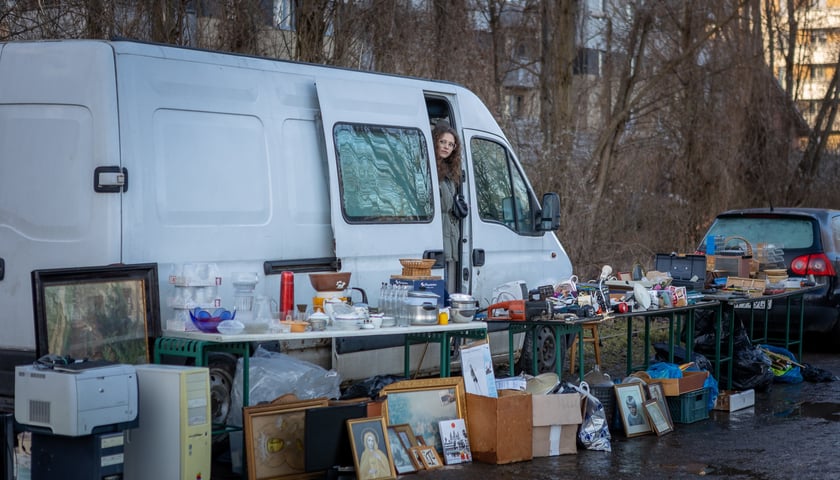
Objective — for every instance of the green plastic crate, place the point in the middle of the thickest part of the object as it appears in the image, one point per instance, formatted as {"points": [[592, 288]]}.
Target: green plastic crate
{"points": [[689, 407]]}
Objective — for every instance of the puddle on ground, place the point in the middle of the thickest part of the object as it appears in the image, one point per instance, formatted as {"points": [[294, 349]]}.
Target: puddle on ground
{"points": [[729, 472], [824, 410]]}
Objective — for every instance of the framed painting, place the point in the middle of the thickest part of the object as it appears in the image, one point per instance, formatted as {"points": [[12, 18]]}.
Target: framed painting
{"points": [[661, 424], [405, 434], [630, 398], [371, 449], [109, 312], [402, 459], [656, 391], [417, 457], [274, 434], [430, 457], [423, 403], [456, 444]]}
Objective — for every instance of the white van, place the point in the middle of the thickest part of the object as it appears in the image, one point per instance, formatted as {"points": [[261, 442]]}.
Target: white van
{"points": [[127, 152]]}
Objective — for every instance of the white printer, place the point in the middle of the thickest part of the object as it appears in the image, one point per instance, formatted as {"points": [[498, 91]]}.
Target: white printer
{"points": [[77, 398]]}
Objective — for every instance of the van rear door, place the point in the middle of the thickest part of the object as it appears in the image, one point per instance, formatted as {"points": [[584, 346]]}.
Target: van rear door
{"points": [[382, 193], [58, 124]]}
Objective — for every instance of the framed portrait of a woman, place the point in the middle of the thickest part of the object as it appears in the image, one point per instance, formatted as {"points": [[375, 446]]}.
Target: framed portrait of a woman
{"points": [[371, 449]]}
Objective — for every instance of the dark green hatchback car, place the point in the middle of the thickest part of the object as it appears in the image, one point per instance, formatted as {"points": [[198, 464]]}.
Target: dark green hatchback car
{"points": [[805, 241]]}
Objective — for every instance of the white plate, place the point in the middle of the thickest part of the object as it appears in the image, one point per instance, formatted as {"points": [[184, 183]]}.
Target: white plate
{"points": [[641, 295]]}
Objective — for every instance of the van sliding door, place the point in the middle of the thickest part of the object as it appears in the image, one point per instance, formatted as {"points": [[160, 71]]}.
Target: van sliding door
{"points": [[382, 193]]}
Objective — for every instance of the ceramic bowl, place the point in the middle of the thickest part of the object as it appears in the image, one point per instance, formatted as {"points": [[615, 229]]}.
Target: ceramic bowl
{"points": [[317, 324], [326, 282]]}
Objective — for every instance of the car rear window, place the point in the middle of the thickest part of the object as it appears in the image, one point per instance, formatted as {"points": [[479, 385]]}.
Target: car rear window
{"points": [[791, 233]]}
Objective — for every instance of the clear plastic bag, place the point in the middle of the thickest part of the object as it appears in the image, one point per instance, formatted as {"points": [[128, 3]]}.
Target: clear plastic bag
{"points": [[272, 374]]}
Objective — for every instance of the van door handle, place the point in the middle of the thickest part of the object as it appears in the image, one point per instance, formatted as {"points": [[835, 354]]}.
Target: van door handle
{"points": [[2, 268], [478, 257], [110, 179]]}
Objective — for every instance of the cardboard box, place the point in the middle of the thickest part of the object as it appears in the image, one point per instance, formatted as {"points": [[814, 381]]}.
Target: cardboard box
{"points": [[735, 266], [500, 429], [431, 284], [690, 381], [731, 401], [556, 421]]}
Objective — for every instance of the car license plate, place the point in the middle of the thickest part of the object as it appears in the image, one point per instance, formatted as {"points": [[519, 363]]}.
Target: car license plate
{"points": [[757, 305]]}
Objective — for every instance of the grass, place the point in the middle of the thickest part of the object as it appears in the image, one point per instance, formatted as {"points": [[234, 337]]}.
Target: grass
{"points": [[613, 335]]}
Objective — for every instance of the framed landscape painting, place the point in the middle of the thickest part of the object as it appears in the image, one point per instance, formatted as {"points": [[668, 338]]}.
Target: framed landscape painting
{"points": [[424, 403], [110, 312]]}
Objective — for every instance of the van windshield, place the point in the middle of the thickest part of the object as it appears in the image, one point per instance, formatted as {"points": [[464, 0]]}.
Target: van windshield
{"points": [[384, 174]]}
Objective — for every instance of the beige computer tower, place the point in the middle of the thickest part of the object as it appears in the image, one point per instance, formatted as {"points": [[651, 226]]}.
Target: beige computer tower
{"points": [[173, 439]]}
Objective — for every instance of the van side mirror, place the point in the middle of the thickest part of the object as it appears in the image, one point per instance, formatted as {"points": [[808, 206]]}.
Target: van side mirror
{"points": [[550, 215]]}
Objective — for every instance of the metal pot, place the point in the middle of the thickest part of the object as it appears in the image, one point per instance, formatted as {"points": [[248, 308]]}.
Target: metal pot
{"points": [[462, 301], [421, 308]]}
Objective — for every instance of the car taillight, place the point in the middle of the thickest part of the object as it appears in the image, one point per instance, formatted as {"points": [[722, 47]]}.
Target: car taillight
{"points": [[814, 264]]}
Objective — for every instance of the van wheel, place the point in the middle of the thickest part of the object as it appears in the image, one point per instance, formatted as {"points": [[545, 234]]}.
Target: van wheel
{"points": [[546, 359], [222, 368]]}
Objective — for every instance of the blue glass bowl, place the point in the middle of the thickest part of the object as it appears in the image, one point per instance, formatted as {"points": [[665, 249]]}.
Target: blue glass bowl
{"points": [[207, 321]]}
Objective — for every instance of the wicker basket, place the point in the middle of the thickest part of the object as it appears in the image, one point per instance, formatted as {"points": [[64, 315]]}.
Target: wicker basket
{"points": [[417, 267], [747, 244]]}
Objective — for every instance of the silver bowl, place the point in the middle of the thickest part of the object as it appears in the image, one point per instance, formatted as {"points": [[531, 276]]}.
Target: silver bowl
{"points": [[461, 315]]}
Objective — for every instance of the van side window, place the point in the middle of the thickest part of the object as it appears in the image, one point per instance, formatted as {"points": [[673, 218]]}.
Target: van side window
{"points": [[503, 195], [384, 174]]}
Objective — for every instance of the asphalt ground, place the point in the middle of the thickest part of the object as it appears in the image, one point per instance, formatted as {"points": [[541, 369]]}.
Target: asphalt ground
{"points": [[792, 431]]}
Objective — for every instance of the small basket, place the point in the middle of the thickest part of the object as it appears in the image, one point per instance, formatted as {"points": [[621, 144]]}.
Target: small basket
{"points": [[417, 267], [747, 244]]}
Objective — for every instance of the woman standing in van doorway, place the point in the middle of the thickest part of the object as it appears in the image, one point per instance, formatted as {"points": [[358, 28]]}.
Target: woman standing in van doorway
{"points": [[453, 205]]}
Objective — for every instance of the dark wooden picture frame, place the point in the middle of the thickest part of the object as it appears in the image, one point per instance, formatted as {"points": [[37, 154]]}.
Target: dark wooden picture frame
{"points": [[107, 312]]}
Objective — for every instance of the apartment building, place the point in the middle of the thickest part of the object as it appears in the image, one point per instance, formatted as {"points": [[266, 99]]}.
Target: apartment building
{"points": [[816, 55]]}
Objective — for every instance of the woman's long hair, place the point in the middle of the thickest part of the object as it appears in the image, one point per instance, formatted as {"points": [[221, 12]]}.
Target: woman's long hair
{"points": [[449, 167]]}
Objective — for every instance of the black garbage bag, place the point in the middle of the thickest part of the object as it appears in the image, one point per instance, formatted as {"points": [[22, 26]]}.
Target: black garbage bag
{"points": [[816, 374], [662, 353], [369, 387], [704, 333], [750, 369]]}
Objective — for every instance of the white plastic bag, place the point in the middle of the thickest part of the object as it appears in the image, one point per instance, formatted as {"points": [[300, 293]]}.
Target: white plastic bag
{"points": [[594, 433]]}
